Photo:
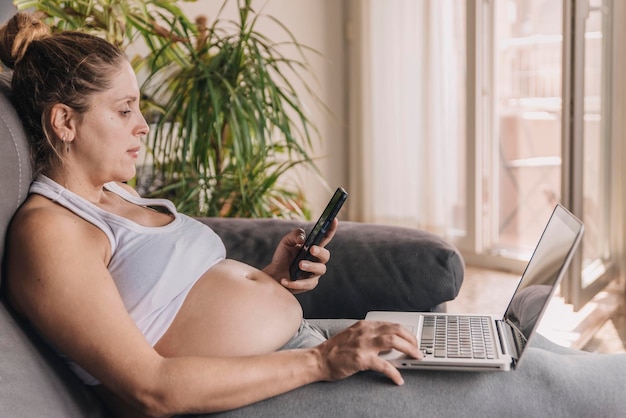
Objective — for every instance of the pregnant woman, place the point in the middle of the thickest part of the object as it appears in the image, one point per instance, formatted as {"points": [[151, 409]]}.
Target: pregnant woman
{"points": [[143, 303]]}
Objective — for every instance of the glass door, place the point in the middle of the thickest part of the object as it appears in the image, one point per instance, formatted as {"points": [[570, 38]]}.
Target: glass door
{"points": [[587, 141], [547, 110], [523, 162], [476, 131]]}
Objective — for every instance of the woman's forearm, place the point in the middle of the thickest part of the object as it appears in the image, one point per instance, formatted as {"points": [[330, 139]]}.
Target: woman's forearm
{"points": [[201, 385]]}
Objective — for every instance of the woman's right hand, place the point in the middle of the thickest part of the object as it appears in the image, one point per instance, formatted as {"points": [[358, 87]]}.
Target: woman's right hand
{"points": [[358, 347]]}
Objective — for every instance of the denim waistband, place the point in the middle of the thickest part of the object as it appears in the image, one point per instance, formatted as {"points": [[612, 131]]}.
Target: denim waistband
{"points": [[307, 336]]}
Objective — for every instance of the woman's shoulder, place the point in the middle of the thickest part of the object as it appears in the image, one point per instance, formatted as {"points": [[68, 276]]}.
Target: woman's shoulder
{"points": [[37, 211], [39, 221], [44, 240]]}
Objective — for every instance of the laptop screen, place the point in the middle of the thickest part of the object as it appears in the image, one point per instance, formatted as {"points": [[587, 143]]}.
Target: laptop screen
{"points": [[544, 271]]}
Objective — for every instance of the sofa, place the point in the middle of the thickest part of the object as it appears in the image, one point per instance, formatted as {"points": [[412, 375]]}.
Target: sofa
{"points": [[372, 267]]}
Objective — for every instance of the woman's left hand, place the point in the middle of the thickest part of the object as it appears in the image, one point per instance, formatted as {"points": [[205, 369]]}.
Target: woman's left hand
{"points": [[287, 250]]}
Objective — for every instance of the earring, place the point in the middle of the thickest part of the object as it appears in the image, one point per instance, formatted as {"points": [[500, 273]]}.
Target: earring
{"points": [[66, 142]]}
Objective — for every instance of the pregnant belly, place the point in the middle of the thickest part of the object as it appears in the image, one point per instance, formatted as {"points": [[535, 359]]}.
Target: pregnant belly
{"points": [[233, 310]]}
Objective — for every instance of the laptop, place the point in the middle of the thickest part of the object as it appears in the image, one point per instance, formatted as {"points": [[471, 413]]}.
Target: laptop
{"points": [[463, 342]]}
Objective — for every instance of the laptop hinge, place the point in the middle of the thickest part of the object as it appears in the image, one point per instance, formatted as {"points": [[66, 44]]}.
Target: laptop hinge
{"points": [[512, 340]]}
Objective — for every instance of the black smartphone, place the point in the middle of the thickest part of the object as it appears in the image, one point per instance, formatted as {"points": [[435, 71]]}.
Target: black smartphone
{"points": [[317, 234]]}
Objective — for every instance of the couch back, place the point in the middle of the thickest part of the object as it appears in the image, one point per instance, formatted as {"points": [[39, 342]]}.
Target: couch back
{"points": [[15, 168], [33, 381]]}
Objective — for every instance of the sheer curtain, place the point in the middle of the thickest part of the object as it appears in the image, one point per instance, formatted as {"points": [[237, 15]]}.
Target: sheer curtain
{"points": [[408, 128]]}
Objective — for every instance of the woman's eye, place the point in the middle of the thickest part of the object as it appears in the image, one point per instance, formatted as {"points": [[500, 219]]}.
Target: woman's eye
{"points": [[125, 112]]}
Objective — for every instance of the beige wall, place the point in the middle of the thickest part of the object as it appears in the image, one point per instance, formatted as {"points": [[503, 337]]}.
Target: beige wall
{"points": [[317, 24]]}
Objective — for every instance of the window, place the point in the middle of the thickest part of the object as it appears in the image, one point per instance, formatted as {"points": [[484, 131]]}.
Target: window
{"points": [[587, 139], [472, 119]]}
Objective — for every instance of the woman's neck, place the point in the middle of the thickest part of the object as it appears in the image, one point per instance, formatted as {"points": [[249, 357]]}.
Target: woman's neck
{"points": [[83, 186]]}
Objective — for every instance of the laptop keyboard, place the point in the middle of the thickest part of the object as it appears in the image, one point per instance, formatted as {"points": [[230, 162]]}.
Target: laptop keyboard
{"points": [[449, 336]]}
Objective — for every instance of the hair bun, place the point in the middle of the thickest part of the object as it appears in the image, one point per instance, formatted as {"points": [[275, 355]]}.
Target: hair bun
{"points": [[18, 33]]}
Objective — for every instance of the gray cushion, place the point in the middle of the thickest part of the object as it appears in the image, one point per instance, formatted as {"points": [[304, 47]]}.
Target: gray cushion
{"points": [[15, 170], [372, 267], [551, 382], [33, 382]]}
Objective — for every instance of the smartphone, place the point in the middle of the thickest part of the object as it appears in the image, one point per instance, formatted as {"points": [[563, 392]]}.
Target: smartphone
{"points": [[317, 234]]}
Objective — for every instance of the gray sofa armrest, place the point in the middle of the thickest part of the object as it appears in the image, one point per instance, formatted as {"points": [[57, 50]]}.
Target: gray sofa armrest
{"points": [[34, 382], [372, 267]]}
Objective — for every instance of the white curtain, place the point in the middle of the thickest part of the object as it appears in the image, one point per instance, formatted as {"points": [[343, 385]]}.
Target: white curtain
{"points": [[412, 113]]}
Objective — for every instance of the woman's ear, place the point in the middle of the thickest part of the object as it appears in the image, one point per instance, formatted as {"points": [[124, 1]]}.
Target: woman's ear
{"points": [[61, 121]]}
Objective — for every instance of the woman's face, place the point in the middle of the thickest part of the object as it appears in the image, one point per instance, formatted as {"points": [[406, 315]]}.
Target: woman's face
{"points": [[107, 136]]}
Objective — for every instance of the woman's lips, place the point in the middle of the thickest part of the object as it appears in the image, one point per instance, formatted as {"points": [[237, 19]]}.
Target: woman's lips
{"points": [[134, 152]]}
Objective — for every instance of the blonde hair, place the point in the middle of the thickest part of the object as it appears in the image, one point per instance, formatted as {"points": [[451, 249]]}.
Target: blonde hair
{"points": [[51, 68], [17, 34]]}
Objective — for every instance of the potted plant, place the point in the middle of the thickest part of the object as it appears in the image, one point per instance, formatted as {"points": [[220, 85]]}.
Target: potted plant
{"points": [[227, 121]]}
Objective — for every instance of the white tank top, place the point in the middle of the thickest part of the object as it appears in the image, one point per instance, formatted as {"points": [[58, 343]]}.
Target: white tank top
{"points": [[153, 268]]}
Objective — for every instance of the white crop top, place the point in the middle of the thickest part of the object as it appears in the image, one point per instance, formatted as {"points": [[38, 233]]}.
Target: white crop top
{"points": [[153, 268]]}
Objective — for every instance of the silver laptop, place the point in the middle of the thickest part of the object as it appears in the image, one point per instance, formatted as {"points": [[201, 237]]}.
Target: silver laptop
{"points": [[484, 342]]}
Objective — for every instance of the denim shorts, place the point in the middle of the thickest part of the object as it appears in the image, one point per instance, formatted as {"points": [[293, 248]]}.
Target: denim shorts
{"points": [[313, 332], [308, 336]]}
